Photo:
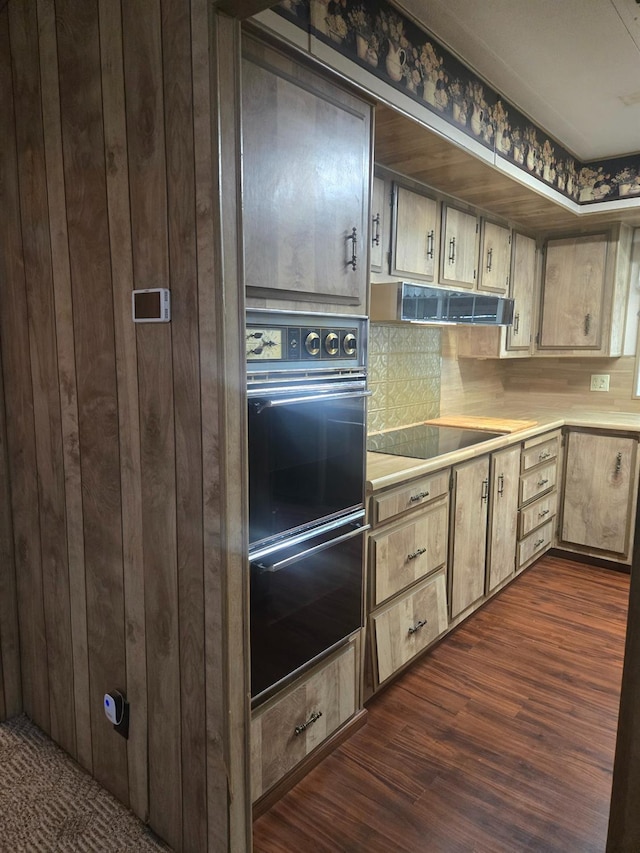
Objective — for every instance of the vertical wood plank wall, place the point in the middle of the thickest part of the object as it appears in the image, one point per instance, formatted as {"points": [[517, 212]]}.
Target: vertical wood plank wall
{"points": [[121, 448]]}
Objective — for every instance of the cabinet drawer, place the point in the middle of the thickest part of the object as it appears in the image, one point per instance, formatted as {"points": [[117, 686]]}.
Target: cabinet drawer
{"points": [[537, 513], [391, 504], [538, 481], [541, 452], [535, 543], [405, 553], [286, 730], [408, 625]]}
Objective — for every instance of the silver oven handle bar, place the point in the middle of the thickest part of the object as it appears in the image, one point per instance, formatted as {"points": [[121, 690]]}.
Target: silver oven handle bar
{"points": [[267, 403], [301, 555]]}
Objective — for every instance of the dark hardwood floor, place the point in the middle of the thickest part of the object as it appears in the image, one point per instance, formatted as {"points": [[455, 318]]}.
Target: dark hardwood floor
{"points": [[500, 739]]}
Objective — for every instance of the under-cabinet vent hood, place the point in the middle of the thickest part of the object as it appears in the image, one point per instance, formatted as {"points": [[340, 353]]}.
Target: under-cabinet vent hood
{"points": [[419, 303]]}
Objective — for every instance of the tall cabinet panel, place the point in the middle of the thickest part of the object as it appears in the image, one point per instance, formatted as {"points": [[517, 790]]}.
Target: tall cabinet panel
{"points": [[523, 280], [469, 533], [306, 173]]}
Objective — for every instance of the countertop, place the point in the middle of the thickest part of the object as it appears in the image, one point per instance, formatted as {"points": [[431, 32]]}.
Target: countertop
{"points": [[384, 470]]}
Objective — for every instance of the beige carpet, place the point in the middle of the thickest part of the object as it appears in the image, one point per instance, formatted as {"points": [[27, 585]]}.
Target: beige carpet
{"points": [[49, 804]]}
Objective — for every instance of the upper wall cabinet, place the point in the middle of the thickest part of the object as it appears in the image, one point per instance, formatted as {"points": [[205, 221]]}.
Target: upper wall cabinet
{"points": [[495, 258], [584, 294], [380, 205], [414, 244], [459, 252], [306, 175]]}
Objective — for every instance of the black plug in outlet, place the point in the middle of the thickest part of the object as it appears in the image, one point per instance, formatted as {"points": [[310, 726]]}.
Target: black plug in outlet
{"points": [[116, 709]]}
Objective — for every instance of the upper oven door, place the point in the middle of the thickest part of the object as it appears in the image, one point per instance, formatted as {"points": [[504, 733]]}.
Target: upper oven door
{"points": [[306, 456]]}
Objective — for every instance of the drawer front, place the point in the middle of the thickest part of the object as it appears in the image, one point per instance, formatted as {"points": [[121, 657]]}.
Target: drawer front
{"points": [[537, 514], [391, 504], [537, 482], [288, 729], [410, 624], [535, 543], [407, 552], [540, 453]]}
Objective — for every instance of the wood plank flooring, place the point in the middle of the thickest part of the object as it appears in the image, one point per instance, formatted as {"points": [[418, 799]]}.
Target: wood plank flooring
{"points": [[501, 739]]}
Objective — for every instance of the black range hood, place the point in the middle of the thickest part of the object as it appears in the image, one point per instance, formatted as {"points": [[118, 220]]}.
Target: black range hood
{"points": [[420, 303]]}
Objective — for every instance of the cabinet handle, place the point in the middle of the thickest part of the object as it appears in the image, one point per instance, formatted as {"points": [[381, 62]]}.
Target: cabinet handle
{"points": [[501, 485], [375, 240], [304, 726], [485, 491], [543, 513], [516, 323], [538, 542], [489, 259], [618, 463], [418, 497], [452, 250], [353, 263], [542, 482], [416, 553], [419, 624], [587, 323], [544, 455], [430, 237]]}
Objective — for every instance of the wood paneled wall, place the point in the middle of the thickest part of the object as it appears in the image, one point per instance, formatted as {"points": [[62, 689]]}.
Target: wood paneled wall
{"points": [[123, 447]]}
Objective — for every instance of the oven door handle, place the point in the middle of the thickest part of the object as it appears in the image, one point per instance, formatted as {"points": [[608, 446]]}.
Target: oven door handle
{"points": [[267, 403], [301, 555]]}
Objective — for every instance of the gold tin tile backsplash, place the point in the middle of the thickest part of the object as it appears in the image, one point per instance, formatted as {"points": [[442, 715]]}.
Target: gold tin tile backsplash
{"points": [[404, 375]]}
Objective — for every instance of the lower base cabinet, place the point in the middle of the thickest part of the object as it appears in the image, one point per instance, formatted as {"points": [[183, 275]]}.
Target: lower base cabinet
{"points": [[288, 728], [469, 515]]}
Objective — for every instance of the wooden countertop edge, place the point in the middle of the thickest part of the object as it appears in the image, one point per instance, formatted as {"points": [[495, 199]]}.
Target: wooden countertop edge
{"points": [[397, 469]]}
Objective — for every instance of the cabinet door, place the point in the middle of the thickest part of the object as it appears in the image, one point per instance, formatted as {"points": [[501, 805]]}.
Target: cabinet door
{"points": [[501, 555], [495, 258], [469, 533], [414, 235], [598, 489], [573, 293], [379, 229], [306, 164], [523, 280], [459, 253]]}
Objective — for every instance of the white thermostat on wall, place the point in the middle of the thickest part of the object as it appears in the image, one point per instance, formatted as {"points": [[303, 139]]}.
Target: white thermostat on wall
{"points": [[152, 305]]}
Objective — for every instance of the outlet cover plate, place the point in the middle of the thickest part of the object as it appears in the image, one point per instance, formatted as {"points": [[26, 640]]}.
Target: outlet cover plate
{"points": [[600, 381]]}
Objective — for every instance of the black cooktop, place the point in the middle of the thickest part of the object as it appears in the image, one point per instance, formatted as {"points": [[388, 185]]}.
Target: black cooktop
{"points": [[424, 441]]}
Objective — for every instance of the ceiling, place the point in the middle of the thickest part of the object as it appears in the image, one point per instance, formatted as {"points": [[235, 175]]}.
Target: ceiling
{"points": [[572, 66]]}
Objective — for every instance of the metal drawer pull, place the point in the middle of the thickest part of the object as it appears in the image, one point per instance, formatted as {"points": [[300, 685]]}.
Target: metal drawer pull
{"points": [[376, 236], [489, 259], [618, 463], [485, 491], [419, 624], [542, 482], [543, 513], [538, 542], [303, 726], [544, 455], [452, 250], [587, 323], [418, 553], [419, 496], [430, 237], [516, 323], [353, 263], [501, 485]]}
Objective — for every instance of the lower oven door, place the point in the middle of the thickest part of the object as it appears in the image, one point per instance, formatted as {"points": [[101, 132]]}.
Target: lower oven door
{"points": [[305, 599]]}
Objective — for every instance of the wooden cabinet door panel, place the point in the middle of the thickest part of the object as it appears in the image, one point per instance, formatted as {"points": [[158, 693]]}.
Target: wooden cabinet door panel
{"points": [[535, 544], [459, 252], [469, 533], [537, 513], [538, 481], [495, 258], [414, 235], [306, 155], [505, 476], [523, 280], [573, 293], [379, 229], [599, 478]]}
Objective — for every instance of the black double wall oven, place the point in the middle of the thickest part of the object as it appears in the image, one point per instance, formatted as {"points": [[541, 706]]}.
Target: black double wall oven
{"points": [[307, 432]]}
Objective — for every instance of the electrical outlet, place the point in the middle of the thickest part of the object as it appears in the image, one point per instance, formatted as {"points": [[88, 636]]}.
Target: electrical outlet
{"points": [[600, 381]]}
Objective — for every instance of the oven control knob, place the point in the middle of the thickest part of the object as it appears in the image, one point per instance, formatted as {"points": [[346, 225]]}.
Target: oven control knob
{"points": [[349, 344], [332, 344], [312, 343]]}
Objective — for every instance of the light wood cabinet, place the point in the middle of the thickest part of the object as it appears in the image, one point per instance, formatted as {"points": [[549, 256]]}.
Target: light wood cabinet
{"points": [[285, 730], [459, 251], [414, 244], [379, 225], [537, 513], [495, 258], [503, 520], [469, 513], [538, 500], [395, 502], [306, 175], [535, 544], [599, 496]]}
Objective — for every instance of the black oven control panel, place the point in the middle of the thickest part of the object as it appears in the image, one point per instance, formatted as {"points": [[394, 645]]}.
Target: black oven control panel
{"points": [[290, 341]]}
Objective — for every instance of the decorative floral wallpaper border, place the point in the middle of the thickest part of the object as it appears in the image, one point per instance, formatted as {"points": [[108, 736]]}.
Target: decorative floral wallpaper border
{"points": [[381, 39]]}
